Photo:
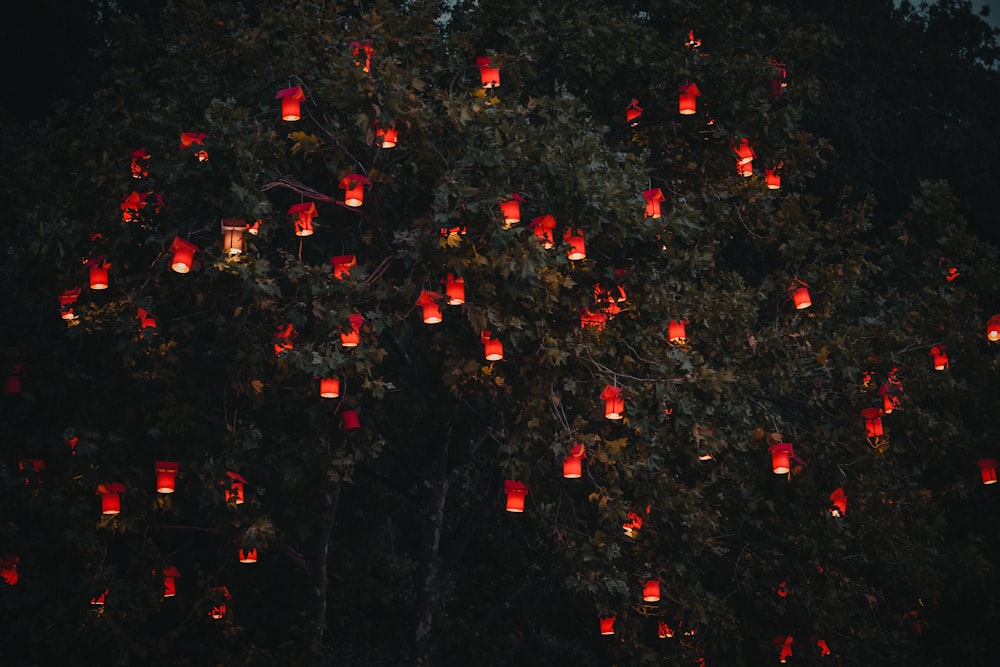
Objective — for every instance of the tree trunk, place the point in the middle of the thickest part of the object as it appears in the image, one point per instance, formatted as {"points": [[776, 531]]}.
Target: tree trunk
{"points": [[319, 565], [431, 559]]}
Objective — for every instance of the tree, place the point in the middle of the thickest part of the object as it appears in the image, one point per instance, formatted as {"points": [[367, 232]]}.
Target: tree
{"points": [[384, 540]]}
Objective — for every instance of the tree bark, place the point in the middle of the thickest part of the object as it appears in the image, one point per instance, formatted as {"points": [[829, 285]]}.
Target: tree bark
{"points": [[431, 559], [320, 577]]}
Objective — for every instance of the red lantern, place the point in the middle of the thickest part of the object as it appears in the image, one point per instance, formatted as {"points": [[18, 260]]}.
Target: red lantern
{"points": [[510, 209], [993, 329], [744, 153], [633, 523], [254, 228], [633, 113], [988, 470], [838, 502], [489, 73], [183, 255], [350, 420], [781, 454], [744, 169], [99, 273], [189, 139], [329, 388], [291, 100], [386, 137], [772, 179], [99, 600], [284, 337], [342, 265], [873, 422], [170, 574], [219, 595], [491, 347], [543, 226], [131, 205], [653, 198], [365, 47], [353, 338], [663, 631], [248, 555], [940, 357], [689, 95], [784, 645], [146, 321], [651, 591], [516, 491], [614, 404], [577, 247], [166, 476], [8, 569], [800, 295], [139, 167], [304, 214], [589, 319], [232, 235], [111, 502], [429, 302], [824, 649], [354, 189], [676, 331], [66, 301], [607, 624], [235, 492], [573, 464], [454, 289]]}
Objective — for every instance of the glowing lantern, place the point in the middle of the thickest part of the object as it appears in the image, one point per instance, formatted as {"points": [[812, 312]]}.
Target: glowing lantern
{"points": [[676, 331], [353, 337], [284, 336], [689, 95], [304, 214], [543, 226], [573, 464], [8, 569], [111, 502], [189, 139], [354, 189], [232, 235], [147, 323], [66, 301], [614, 404], [99, 600], [510, 209], [454, 289], [489, 74], [291, 102], [607, 624], [633, 113], [350, 421], [329, 388], [664, 631], [651, 591], [170, 575], [429, 302], [745, 170], [235, 492], [784, 645], [800, 295], [516, 491], [632, 524], [183, 255], [99, 273], [139, 167], [873, 422], [589, 319], [988, 470], [824, 649], [577, 247], [342, 265], [166, 476], [781, 454], [940, 357], [248, 555], [219, 594], [131, 205], [254, 228], [653, 198], [993, 329], [491, 347], [365, 47], [386, 137], [838, 502], [744, 158], [772, 179]]}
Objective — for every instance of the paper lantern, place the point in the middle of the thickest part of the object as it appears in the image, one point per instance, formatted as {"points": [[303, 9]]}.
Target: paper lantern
{"points": [[365, 48], [607, 624], [573, 464], [823, 648], [454, 289], [590, 319], [235, 492], [516, 491], [66, 301], [353, 337], [8, 569], [99, 270], [744, 169], [940, 357], [838, 502], [653, 198], [577, 248], [429, 302], [219, 595], [744, 153], [510, 209], [688, 102], [614, 404], [772, 179], [800, 295], [342, 265], [781, 454], [784, 645], [254, 228], [329, 388], [304, 214], [386, 137], [232, 235], [170, 575], [248, 555], [663, 630], [489, 73], [183, 255], [291, 101], [676, 331], [99, 600], [632, 524], [651, 591], [354, 189], [873, 422], [988, 470], [993, 329], [492, 348], [283, 338], [111, 502], [542, 227], [633, 113], [350, 420], [189, 139], [166, 476], [131, 205], [139, 166]]}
